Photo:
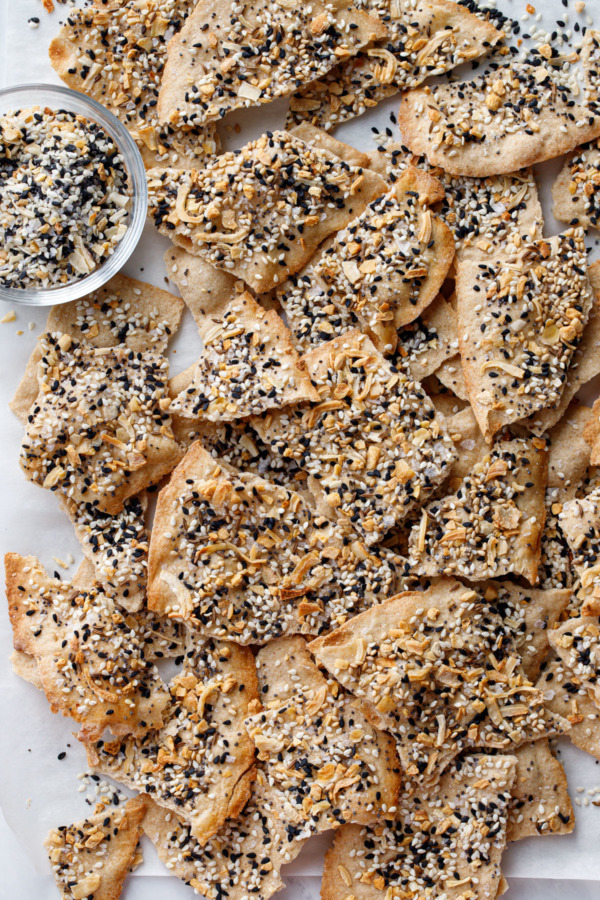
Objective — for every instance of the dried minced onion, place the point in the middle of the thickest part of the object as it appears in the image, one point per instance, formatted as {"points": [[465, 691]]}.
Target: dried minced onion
{"points": [[64, 197]]}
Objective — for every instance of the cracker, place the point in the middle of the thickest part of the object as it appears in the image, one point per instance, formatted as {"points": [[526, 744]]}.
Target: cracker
{"points": [[331, 774], [124, 311], [592, 434], [282, 199], [579, 521], [566, 696], [201, 285], [492, 524], [373, 447], [425, 39], [517, 332], [430, 341], [92, 858], [576, 191], [584, 367], [200, 764], [236, 556], [577, 644], [431, 847], [512, 117], [470, 445], [116, 545], [567, 466], [115, 52], [322, 140], [451, 375], [437, 698], [223, 60], [540, 803], [244, 858], [100, 430], [91, 664], [386, 267], [248, 365]]}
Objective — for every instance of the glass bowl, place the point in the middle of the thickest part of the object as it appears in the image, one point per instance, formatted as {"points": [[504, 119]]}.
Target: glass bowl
{"points": [[23, 96]]}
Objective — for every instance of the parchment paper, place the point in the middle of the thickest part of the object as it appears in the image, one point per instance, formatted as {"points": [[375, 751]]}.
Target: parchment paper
{"points": [[37, 791]]}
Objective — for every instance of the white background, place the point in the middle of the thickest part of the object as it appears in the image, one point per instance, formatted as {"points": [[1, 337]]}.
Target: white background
{"points": [[37, 791]]}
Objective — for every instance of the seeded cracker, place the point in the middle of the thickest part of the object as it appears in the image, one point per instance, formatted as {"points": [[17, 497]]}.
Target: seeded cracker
{"points": [[260, 212], [579, 521], [322, 140], [248, 364], [386, 267], [199, 764], [438, 695], [229, 55], [200, 284], [100, 429], [92, 665], [373, 447], [520, 320], [445, 845], [243, 859], [585, 364], [425, 39], [492, 524], [514, 116], [116, 545], [426, 344], [316, 745], [91, 859], [540, 803], [576, 191], [592, 434], [567, 465], [566, 696], [235, 556], [123, 311], [115, 52], [577, 643]]}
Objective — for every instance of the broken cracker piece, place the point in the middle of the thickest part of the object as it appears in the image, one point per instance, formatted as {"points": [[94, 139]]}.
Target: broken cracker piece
{"points": [[511, 117], [91, 859], [331, 774], [260, 212], [492, 524], [248, 365], [92, 665], [464, 820], [540, 803], [199, 764]]}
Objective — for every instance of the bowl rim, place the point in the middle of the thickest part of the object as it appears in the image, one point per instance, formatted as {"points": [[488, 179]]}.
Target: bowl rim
{"points": [[136, 172]]}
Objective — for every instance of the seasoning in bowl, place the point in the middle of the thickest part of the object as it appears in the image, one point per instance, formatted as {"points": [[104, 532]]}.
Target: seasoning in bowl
{"points": [[64, 197]]}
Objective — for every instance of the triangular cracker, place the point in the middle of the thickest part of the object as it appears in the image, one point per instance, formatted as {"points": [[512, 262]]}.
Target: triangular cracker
{"points": [[427, 343], [373, 447], [492, 524], [567, 465], [439, 696], [585, 364], [514, 116], [322, 140], [223, 60], [517, 331], [576, 191], [91, 859], [540, 802], [236, 556], [124, 311], [579, 521], [447, 843], [248, 365], [115, 52], [425, 38], [387, 266], [260, 212], [243, 859], [331, 773], [100, 430], [470, 445], [199, 764], [577, 643], [565, 695], [116, 545], [92, 665]]}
